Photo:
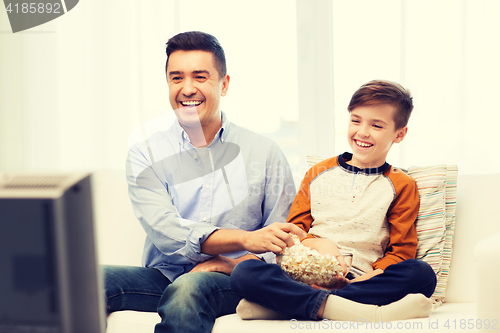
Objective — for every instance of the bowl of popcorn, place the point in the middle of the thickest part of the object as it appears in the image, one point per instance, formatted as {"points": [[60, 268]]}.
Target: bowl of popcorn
{"points": [[307, 265]]}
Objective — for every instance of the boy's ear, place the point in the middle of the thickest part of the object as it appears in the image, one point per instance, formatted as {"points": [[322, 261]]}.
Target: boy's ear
{"points": [[401, 133]]}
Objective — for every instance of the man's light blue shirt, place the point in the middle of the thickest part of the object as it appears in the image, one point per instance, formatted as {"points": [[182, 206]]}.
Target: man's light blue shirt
{"points": [[181, 194]]}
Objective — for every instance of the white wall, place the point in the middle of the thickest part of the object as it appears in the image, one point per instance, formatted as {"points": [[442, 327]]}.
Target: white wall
{"points": [[446, 52], [73, 89]]}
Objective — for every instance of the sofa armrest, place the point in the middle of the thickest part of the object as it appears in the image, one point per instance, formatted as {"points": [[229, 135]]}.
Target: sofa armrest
{"points": [[487, 254]]}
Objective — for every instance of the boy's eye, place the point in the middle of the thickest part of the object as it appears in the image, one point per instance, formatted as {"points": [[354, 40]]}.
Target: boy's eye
{"points": [[377, 126], [355, 121]]}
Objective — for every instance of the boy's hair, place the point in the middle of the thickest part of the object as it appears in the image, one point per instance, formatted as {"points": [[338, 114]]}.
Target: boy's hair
{"points": [[198, 41], [378, 92]]}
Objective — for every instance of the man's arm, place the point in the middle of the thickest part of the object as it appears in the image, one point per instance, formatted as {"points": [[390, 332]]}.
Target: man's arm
{"points": [[168, 231], [279, 190], [273, 238]]}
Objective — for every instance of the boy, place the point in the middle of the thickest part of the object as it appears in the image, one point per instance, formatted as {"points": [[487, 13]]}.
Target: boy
{"points": [[364, 206]]}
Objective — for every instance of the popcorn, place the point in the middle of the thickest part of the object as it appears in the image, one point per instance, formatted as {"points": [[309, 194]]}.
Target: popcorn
{"points": [[308, 265]]}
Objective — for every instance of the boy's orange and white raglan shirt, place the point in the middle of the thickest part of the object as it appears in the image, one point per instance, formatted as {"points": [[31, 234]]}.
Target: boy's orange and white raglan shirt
{"points": [[370, 213]]}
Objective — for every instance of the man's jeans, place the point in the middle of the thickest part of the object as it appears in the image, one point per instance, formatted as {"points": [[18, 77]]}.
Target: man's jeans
{"points": [[270, 286], [190, 304]]}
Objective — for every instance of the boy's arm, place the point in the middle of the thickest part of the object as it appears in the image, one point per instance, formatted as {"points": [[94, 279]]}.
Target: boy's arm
{"points": [[322, 245], [401, 217], [326, 246]]}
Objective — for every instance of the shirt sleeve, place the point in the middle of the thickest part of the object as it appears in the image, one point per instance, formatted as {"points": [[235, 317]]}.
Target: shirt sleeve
{"points": [[279, 193], [152, 204], [401, 217]]}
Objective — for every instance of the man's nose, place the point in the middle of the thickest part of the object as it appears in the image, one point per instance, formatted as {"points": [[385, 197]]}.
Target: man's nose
{"points": [[188, 88]]}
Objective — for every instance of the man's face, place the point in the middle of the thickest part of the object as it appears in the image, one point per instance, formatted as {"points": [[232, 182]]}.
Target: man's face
{"points": [[195, 89], [371, 133]]}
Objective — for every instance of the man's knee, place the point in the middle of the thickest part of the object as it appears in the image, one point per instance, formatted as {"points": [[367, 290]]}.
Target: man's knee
{"points": [[196, 283]]}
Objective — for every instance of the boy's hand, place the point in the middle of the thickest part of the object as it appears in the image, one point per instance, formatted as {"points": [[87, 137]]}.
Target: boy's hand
{"points": [[367, 276], [343, 264]]}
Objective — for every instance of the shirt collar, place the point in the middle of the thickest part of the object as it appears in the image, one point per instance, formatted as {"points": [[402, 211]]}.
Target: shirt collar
{"points": [[221, 135], [345, 157]]}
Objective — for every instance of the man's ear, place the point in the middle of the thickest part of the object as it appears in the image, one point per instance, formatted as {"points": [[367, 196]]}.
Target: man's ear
{"points": [[401, 133], [225, 85]]}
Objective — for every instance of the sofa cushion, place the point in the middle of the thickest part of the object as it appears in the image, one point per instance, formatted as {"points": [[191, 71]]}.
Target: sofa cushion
{"points": [[436, 219]]}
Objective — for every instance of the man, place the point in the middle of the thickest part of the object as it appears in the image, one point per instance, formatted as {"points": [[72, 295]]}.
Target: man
{"points": [[206, 192]]}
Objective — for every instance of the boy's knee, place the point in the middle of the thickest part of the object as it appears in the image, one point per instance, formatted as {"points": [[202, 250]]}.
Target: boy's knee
{"points": [[423, 275], [241, 275]]}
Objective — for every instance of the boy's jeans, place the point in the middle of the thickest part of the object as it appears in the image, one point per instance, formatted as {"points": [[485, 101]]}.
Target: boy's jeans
{"points": [[190, 304], [268, 285]]}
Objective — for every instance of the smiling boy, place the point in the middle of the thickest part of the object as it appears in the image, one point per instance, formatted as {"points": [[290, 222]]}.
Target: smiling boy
{"points": [[359, 204]]}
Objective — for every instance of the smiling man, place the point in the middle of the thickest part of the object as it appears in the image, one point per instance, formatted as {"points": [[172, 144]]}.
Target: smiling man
{"points": [[204, 209]]}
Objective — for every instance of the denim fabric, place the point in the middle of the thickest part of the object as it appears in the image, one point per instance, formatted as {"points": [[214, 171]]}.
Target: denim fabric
{"points": [[190, 304], [407, 277], [193, 302], [268, 285], [133, 288]]}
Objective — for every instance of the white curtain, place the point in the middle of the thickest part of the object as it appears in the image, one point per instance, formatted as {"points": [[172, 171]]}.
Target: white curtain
{"points": [[73, 89], [446, 52]]}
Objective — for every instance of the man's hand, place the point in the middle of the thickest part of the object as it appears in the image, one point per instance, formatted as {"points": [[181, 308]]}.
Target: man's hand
{"points": [[340, 283], [216, 264], [221, 264], [273, 238]]}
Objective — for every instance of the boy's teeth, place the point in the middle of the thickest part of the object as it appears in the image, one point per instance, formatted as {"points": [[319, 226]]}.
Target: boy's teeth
{"points": [[362, 144]]}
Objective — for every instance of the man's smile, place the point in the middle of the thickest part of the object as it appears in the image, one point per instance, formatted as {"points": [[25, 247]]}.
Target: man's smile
{"points": [[191, 103]]}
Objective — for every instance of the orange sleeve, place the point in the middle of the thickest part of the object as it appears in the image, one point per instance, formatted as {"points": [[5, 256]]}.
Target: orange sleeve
{"points": [[300, 212], [401, 217]]}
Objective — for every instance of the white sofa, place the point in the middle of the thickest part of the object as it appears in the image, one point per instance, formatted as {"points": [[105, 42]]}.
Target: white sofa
{"points": [[472, 300]]}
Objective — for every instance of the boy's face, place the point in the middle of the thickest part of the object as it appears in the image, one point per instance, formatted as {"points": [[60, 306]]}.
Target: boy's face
{"points": [[371, 133]]}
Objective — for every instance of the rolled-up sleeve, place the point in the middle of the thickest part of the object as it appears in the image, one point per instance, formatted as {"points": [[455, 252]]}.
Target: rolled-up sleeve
{"points": [[171, 234]]}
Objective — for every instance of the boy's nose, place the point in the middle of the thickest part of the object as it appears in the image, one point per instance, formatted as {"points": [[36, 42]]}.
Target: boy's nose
{"points": [[364, 132]]}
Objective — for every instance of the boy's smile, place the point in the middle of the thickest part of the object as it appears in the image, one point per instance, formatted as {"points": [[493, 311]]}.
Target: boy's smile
{"points": [[371, 133]]}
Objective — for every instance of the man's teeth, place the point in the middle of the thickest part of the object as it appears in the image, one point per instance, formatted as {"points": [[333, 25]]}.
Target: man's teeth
{"points": [[191, 103], [362, 144]]}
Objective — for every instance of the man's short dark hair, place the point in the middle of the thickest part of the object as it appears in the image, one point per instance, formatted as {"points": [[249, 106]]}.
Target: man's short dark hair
{"points": [[385, 92], [198, 41]]}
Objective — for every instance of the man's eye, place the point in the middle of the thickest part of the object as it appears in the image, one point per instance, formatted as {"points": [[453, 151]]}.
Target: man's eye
{"points": [[199, 77], [176, 78]]}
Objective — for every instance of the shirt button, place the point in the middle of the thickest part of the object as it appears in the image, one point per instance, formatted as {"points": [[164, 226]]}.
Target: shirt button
{"points": [[204, 219], [207, 186], [195, 157], [222, 140]]}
